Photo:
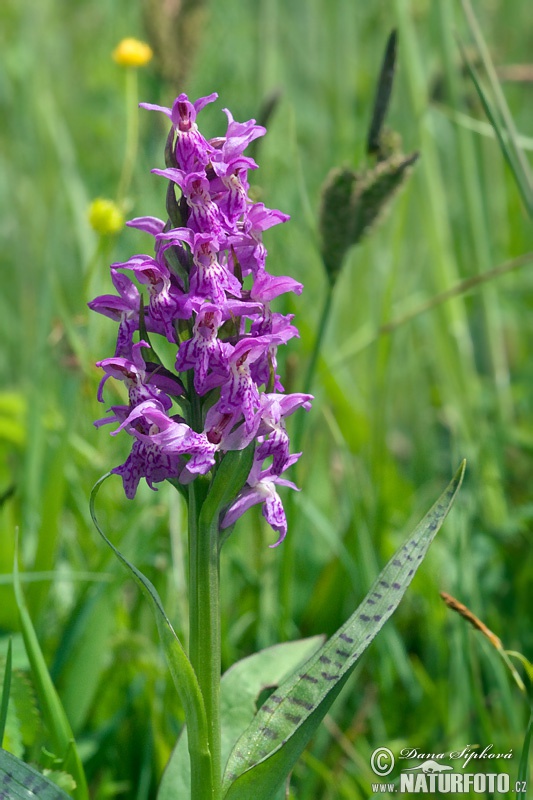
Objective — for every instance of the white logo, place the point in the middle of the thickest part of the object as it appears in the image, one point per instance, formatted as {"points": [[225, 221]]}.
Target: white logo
{"points": [[430, 767], [382, 761]]}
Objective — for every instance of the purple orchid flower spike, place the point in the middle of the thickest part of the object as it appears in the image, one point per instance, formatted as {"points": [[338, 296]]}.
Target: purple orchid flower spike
{"points": [[225, 336]]}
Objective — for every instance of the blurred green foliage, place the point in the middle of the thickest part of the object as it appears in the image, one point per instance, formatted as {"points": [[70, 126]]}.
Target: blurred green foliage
{"points": [[391, 419]]}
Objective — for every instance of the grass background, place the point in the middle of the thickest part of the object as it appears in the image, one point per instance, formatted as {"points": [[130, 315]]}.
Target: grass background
{"points": [[393, 414]]}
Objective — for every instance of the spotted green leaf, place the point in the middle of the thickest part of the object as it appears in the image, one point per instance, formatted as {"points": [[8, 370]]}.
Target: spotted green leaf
{"points": [[19, 781], [269, 748], [240, 689]]}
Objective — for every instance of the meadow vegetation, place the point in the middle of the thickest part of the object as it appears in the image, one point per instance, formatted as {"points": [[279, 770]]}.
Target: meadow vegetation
{"points": [[397, 406]]}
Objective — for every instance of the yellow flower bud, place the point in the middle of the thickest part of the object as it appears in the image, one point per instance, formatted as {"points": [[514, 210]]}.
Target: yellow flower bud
{"points": [[132, 53], [105, 217]]}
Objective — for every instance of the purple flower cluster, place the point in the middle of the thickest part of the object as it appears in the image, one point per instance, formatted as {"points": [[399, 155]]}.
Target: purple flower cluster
{"points": [[209, 295]]}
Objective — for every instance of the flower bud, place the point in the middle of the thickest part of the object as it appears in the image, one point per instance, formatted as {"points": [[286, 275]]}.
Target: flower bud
{"points": [[105, 217], [132, 53]]}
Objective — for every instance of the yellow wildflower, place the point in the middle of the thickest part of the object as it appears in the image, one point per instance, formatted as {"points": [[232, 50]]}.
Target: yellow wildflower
{"points": [[132, 53], [105, 217]]}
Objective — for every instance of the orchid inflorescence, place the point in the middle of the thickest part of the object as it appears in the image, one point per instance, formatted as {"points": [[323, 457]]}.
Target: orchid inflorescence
{"points": [[224, 392]]}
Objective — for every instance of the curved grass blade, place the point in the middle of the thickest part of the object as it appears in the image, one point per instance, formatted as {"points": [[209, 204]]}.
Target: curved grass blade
{"points": [[283, 726], [53, 711], [180, 667], [19, 781]]}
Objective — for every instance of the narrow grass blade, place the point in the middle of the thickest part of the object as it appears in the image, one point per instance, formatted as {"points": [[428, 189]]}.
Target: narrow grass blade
{"points": [[283, 726], [505, 131], [507, 145], [383, 93], [6, 689], [53, 712], [19, 781]]}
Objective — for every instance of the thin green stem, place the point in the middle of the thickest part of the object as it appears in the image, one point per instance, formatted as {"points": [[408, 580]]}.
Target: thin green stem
{"points": [[132, 135], [204, 621]]}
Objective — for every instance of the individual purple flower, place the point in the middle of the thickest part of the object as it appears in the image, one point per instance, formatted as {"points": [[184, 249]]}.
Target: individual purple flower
{"points": [[148, 461], [275, 439], [204, 216], [123, 308], [277, 329], [166, 302], [142, 383], [261, 488], [231, 192], [192, 150], [164, 448], [238, 137], [209, 277], [228, 431], [248, 243], [204, 350], [240, 391], [173, 436]]}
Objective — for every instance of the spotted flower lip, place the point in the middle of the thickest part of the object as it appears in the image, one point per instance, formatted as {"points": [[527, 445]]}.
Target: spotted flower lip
{"points": [[207, 292]]}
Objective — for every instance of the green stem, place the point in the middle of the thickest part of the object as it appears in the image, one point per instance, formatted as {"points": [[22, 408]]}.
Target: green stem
{"points": [[132, 135], [204, 621], [287, 564]]}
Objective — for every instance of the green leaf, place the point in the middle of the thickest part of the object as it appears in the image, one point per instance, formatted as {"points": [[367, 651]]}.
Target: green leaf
{"points": [[53, 712], [283, 726], [19, 781], [180, 667], [240, 688]]}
